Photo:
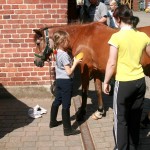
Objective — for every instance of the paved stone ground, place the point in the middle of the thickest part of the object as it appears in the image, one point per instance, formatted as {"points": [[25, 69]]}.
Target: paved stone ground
{"points": [[144, 18], [20, 132]]}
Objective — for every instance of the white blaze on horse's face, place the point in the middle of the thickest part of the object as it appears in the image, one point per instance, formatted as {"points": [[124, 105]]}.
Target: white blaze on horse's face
{"points": [[39, 41], [38, 56], [39, 49], [51, 43], [40, 44]]}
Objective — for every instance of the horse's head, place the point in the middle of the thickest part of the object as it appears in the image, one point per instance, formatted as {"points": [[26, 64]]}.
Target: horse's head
{"points": [[44, 47]]}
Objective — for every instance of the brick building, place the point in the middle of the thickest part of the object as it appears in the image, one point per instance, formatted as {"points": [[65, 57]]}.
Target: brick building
{"points": [[17, 20]]}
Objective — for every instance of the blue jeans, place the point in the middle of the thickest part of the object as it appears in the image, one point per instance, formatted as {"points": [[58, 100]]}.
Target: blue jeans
{"points": [[64, 88]]}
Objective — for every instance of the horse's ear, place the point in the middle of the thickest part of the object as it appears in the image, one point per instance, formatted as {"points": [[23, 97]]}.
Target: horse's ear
{"points": [[38, 32]]}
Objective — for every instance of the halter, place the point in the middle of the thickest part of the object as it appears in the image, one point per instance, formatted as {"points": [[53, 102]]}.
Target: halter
{"points": [[47, 49]]}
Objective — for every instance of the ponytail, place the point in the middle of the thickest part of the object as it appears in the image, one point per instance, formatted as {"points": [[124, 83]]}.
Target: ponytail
{"points": [[134, 21]]}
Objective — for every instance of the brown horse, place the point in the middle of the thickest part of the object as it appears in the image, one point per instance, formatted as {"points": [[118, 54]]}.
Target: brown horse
{"points": [[92, 40]]}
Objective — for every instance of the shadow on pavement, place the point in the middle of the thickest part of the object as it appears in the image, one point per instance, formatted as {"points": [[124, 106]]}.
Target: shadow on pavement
{"points": [[13, 113]]}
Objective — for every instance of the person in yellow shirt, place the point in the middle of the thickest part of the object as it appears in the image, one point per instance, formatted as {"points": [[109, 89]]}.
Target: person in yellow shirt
{"points": [[126, 48]]}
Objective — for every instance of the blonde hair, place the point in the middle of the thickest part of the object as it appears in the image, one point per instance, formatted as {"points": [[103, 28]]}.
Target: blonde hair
{"points": [[59, 37], [113, 2]]}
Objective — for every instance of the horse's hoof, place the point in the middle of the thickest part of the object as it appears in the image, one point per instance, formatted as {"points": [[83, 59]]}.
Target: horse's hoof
{"points": [[98, 115], [95, 117]]}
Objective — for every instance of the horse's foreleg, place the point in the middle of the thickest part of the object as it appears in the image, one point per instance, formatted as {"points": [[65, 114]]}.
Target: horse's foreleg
{"points": [[85, 87], [100, 111]]}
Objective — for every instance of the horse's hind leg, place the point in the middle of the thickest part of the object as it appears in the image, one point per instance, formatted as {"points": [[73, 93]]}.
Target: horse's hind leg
{"points": [[100, 111]]}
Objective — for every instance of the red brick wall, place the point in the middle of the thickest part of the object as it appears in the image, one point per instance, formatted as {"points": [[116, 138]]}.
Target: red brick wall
{"points": [[146, 3], [136, 4], [17, 20]]}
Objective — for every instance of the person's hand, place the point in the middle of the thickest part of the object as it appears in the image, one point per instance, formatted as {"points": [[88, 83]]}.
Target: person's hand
{"points": [[107, 88], [77, 60]]}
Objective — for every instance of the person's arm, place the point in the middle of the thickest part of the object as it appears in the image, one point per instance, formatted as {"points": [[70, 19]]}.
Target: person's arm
{"points": [[110, 68], [148, 50], [103, 20], [69, 69], [102, 9]]}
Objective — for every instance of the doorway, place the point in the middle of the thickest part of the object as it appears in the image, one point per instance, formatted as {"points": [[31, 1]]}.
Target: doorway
{"points": [[73, 12]]}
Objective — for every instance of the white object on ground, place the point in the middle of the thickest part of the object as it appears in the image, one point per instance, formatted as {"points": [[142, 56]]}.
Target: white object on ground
{"points": [[36, 112]]}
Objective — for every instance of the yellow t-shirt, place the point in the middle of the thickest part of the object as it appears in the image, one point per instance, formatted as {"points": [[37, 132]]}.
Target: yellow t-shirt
{"points": [[130, 44]]}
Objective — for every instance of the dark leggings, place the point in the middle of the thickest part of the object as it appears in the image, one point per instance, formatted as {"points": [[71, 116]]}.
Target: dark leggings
{"points": [[128, 106], [63, 93]]}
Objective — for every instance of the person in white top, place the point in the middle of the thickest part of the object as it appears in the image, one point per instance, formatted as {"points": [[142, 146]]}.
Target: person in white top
{"points": [[113, 5], [94, 10]]}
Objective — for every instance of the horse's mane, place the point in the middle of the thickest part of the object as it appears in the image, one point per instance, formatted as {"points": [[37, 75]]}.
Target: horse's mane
{"points": [[90, 25], [72, 25]]}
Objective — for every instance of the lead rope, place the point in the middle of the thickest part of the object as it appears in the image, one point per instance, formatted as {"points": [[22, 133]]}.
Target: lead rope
{"points": [[52, 72], [52, 63]]}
